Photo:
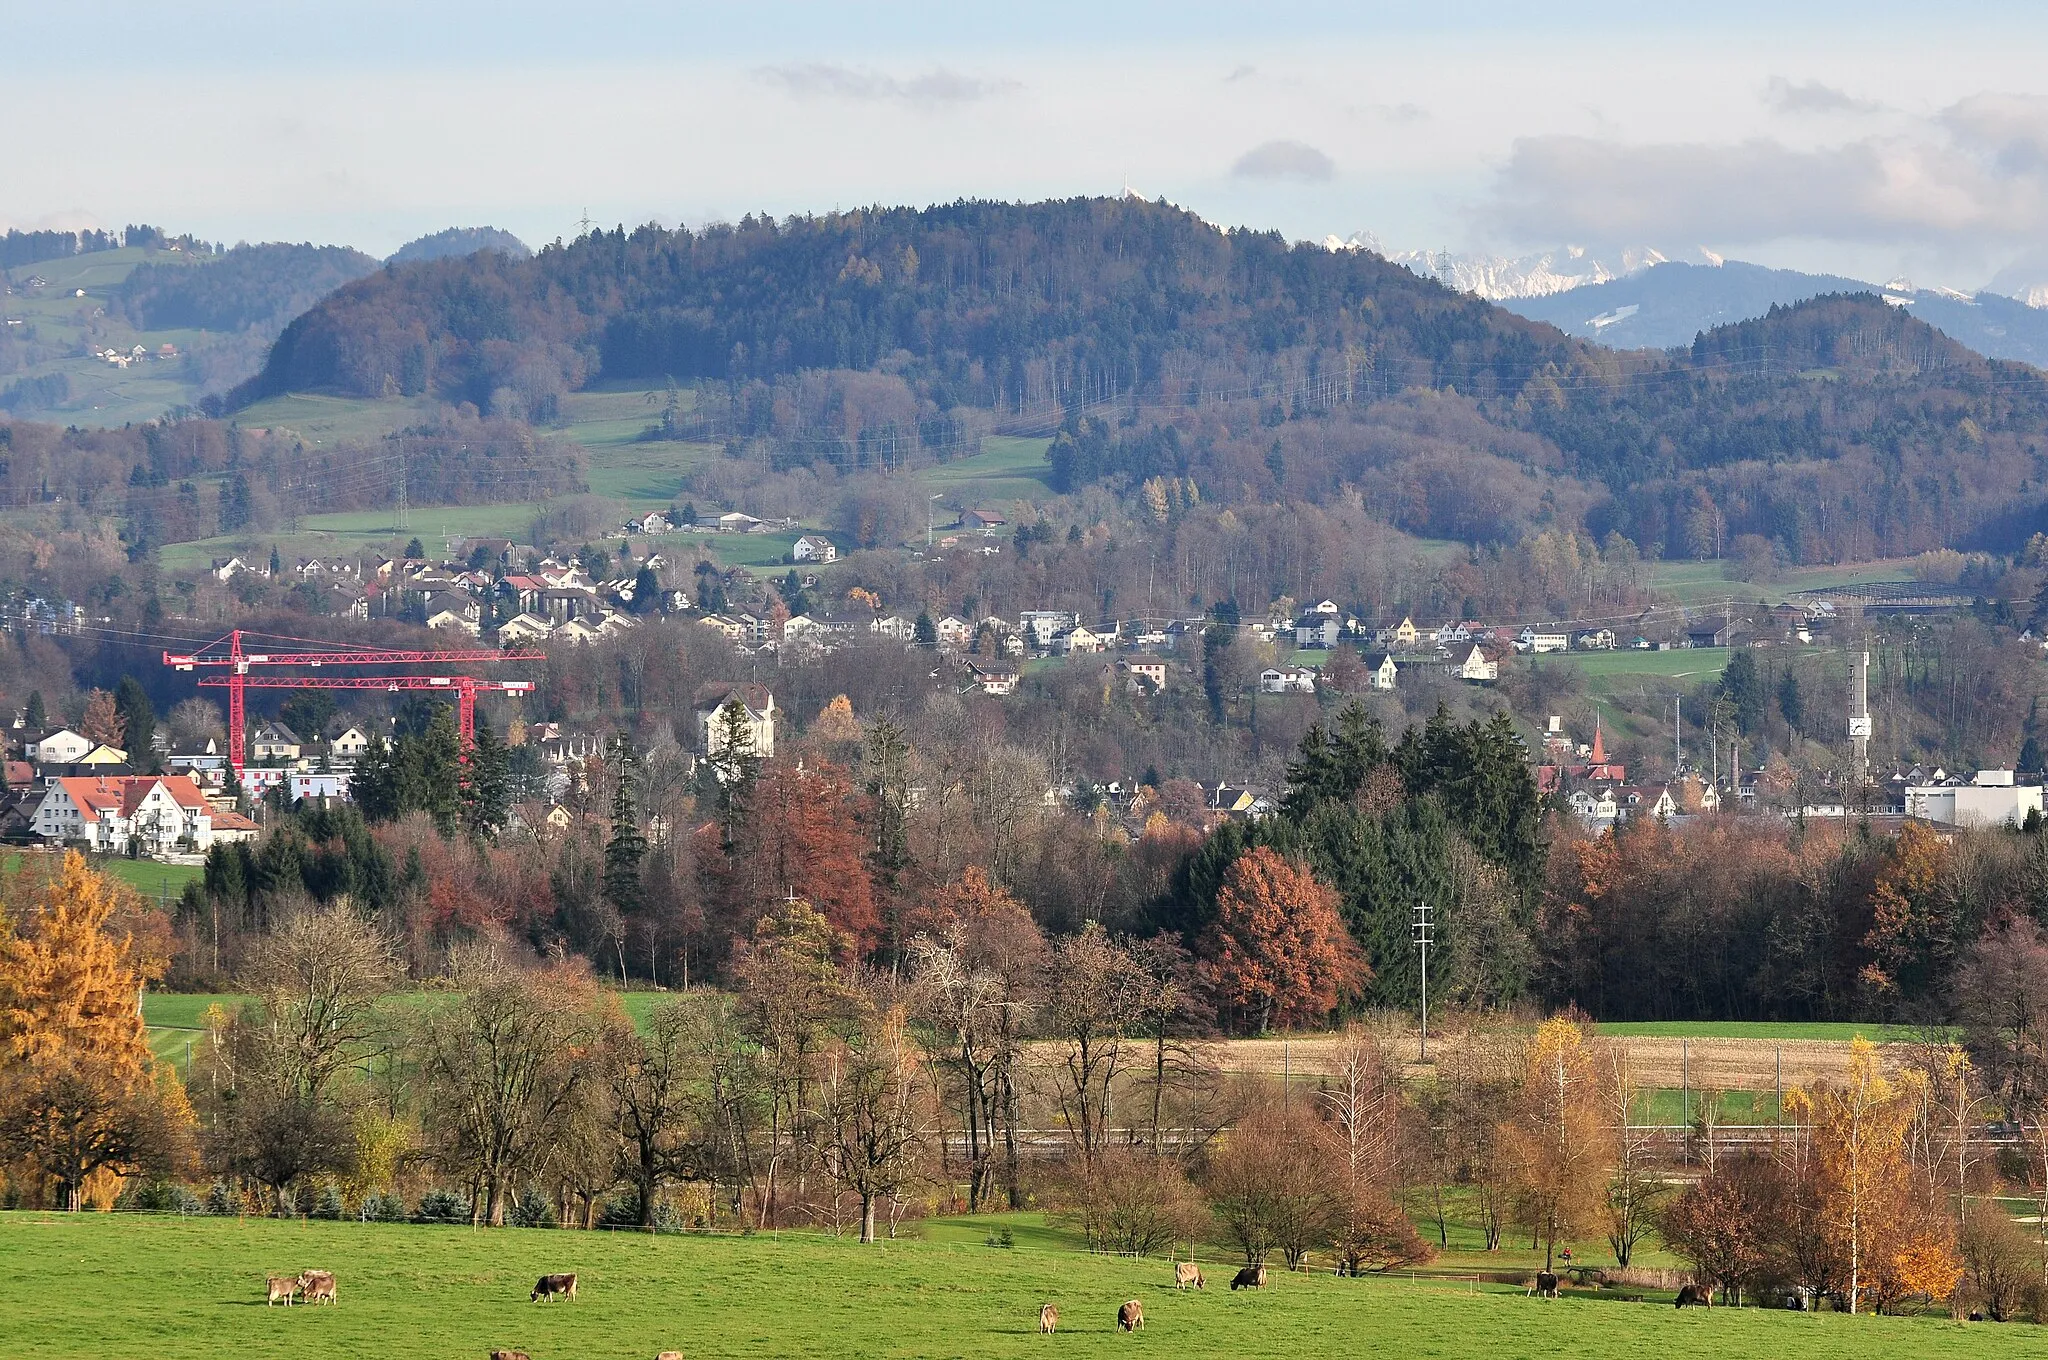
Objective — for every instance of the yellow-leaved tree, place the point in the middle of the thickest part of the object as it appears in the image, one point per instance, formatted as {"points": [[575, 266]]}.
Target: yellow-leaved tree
{"points": [[1894, 1243], [1557, 1139], [79, 1098]]}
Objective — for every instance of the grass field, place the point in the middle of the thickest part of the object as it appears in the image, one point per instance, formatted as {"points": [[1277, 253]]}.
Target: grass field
{"points": [[1006, 470], [1826, 1030], [1692, 582], [94, 1285]]}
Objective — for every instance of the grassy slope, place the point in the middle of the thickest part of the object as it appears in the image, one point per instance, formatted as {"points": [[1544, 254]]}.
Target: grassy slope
{"points": [[1694, 582], [97, 1285]]}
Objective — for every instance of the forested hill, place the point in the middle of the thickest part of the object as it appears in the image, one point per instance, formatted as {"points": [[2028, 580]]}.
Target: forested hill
{"points": [[1839, 428], [992, 304]]}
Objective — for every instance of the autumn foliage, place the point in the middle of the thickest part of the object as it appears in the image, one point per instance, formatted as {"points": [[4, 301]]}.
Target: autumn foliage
{"points": [[1279, 952]]}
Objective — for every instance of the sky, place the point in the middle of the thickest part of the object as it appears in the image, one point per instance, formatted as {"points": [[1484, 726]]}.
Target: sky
{"points": [[1879, 139]]}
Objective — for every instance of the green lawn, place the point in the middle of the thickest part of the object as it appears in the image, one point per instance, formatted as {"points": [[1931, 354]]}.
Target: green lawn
{"points": [[146, 876], [97, 1285], [1621, 671], [1835, 1031]]}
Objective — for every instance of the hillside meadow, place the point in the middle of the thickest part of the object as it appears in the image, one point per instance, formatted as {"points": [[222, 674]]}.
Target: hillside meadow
{"points": [[97, 1285]]}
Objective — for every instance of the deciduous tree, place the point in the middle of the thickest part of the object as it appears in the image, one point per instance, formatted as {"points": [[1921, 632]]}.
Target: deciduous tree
{"points": [[1279, 950]]}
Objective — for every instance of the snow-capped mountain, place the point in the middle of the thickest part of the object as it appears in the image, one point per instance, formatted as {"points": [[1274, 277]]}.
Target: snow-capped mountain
{"points": [[1497, 277]]}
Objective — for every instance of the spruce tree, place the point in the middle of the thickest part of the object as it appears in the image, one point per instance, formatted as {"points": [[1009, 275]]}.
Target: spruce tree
{"points": [[487, 791], [627, 847], [138, 722], [927, 632], [434, 767], [36, 718]]}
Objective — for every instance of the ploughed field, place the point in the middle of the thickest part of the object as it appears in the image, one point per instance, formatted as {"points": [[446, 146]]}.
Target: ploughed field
{"points": [[99, 1285]]}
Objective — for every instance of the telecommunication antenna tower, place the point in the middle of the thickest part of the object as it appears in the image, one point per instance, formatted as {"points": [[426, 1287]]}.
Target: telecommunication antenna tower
{"points": [[1859, 725]]}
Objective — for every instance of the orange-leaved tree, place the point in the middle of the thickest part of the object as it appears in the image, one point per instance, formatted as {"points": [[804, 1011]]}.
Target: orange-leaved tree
{"points": [[1557, 1138], [78, 1098], [1894, 1242], [1279, 950]]}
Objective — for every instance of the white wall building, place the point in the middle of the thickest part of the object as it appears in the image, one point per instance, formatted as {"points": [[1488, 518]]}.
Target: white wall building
{"points": [[1993, 798]]}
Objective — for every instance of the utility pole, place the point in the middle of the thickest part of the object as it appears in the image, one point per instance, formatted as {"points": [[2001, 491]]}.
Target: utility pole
{"points": [[1423, 940], [404, 512], [1677, 733]]}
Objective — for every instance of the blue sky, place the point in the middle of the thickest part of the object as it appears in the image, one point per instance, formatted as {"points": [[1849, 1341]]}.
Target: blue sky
{"points": [[1871, 139]]}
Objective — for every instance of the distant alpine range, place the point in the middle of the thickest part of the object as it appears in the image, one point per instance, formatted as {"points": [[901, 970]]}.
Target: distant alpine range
{"points": [[1641, 299]]}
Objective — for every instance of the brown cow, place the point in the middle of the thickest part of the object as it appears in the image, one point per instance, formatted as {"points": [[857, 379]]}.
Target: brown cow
{"points": [[281, 1287], [547, 1286], [1251, 1277], [317, 1286], [508, 1355], [1187, 1273], [1130, 1317], [1696, 1295], [669, 1355], [1048, 1320]]}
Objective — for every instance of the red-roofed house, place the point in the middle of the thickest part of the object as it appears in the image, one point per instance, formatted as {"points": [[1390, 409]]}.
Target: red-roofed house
{"points": [[157, 814]]}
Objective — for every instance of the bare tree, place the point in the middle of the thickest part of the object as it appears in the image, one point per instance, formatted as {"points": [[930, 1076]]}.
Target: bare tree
{"points": [[876, 1115], [502, 1063], [1092, 995], [1634, 1188], [648, 1077]]}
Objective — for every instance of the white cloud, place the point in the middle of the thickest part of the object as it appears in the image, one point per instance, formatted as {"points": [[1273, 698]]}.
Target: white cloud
{"points": [[937, 86], [1284, 160], [1973, 178], [1813, 97]]}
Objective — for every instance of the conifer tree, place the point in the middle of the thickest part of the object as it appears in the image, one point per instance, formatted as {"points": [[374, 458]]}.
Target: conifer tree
{"points": [[627, 847]]}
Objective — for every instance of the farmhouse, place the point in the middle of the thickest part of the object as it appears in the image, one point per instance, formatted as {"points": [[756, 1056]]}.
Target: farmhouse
{"points": [[813, 548]]}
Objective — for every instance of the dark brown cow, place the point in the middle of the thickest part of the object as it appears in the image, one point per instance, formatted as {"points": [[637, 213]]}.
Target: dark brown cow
{"points": [[508, 1355], [548, 1286], [1130, 1317], [1694, 1295], [1546, 1284], [1251, 1277]]}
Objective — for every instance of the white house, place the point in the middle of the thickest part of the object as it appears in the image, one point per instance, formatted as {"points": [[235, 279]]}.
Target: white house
{"points": [[814, 548], [524, 628], [62, 747], [993, 677], [1595, 640], [1477, 667], [1533, 641], [349, 744], [155, 814], [273, 741], [1383, 672], [1078, 641], [1287, 680], [755, 704]]}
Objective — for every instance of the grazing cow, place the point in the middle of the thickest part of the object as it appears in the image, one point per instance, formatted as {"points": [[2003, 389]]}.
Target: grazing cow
{"points": [[669, 1355], [317, 1286], [1130, 1317], [1695, 1295], [282, 1287], [547, 1286], [1186, 1273], [508, 1355], [1251, 1277], [1546, 1284], [1048, 1320]]}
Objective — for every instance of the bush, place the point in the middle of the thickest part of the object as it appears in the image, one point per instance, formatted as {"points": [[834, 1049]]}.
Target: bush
{"points": [[531, 1210], [223, 1201], [327, 1204], [442, 1206], [623, 1211], [384, 1208], [158, 1197]]}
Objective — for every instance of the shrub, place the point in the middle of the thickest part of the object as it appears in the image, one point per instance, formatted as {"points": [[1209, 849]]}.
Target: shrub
{"points": [[382, 1208], [328, 1203], [532, 1210], [158, 1197], [442, 1206], [223, 1201]]}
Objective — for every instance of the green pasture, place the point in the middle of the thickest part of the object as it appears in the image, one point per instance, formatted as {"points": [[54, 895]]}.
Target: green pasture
{"points": [[323, 419], [146, 876], [360, 531], [1007, 470], [94, 1285], [1693, 582]]}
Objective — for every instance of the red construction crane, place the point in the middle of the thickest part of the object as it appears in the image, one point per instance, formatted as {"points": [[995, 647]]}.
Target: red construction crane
{"points": [[238, 678]]}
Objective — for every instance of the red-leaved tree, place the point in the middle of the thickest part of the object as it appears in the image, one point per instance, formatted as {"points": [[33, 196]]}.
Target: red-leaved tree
{"points": [[1279, 952]]}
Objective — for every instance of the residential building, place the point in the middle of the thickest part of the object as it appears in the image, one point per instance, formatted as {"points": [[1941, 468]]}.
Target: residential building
{"points": [[1478, 666], [993, 677], [1317, 630], [153, 814], [1595, 640], [1077, 641], [1529, 640], [1041, 626], [273, 742], [1383, 671], [349, 745], [988, 521], [1143, 675], [814, 548], [756, 705], [1287, 680], [62, 747]]}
